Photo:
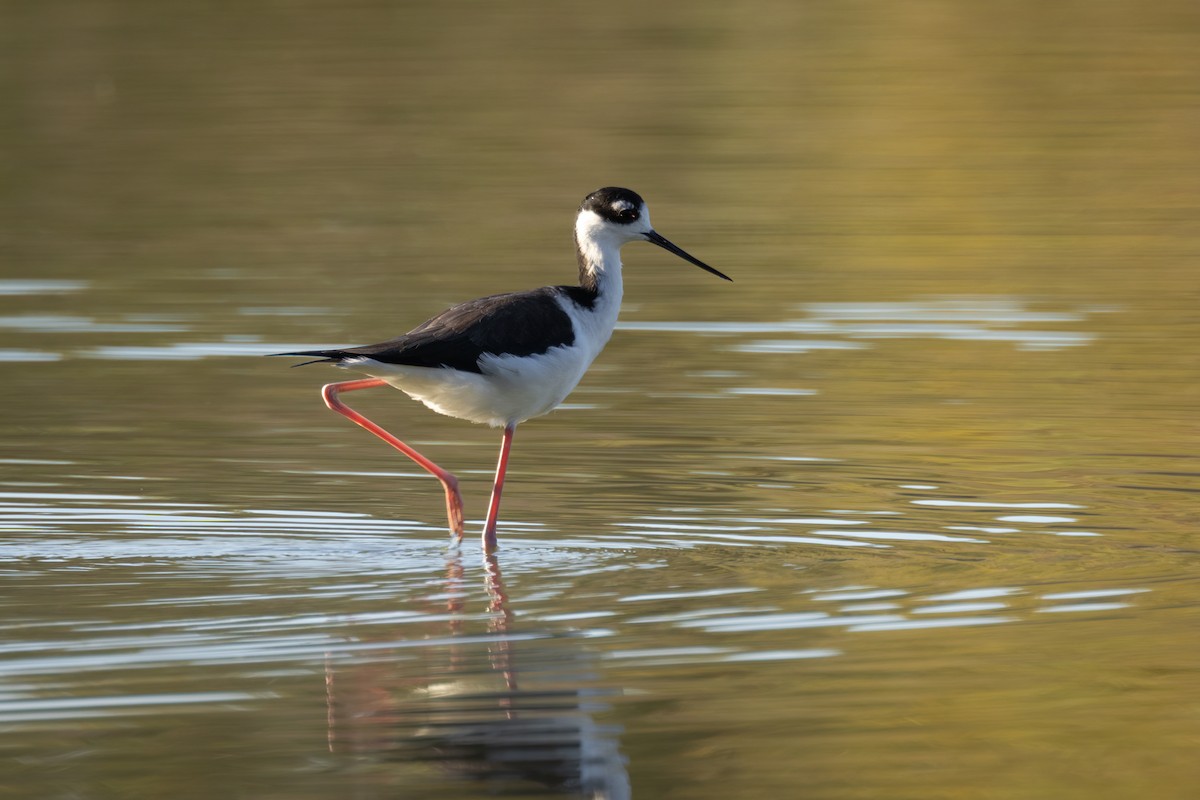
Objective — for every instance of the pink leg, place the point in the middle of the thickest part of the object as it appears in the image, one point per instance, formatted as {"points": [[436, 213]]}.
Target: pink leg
{"points": [[454, 506], [489, 530]]}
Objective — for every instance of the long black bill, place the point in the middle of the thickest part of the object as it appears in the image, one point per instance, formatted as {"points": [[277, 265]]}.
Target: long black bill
{"points": [[653, 237]]}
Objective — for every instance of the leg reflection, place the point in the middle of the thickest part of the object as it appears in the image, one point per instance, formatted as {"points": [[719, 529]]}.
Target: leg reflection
{"points": [[502, 703]]}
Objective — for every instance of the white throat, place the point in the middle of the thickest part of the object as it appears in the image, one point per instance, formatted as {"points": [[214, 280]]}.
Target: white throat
{"points": [[599, 244]]}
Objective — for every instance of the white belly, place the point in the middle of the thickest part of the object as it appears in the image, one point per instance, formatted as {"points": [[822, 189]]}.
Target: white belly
{"points": [[510, 390]]}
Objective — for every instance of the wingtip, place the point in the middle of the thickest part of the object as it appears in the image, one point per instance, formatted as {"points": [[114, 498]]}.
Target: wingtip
{"points": [[325, 360]]}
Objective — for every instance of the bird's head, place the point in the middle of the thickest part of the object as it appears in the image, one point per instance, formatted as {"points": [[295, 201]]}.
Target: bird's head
{"points": [[612, 216]]}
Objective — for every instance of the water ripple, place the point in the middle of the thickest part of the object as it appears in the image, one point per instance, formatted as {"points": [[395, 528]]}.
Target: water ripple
{"points": [[75, 708], [16, 286], [48, 323]]}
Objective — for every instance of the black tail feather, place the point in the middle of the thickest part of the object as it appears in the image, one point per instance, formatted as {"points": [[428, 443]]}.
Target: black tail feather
{"points": [[326, 356]]}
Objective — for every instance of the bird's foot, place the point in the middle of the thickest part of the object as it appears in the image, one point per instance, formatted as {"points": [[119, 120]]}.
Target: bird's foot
{"points": [[454, 507], [490, 543]]}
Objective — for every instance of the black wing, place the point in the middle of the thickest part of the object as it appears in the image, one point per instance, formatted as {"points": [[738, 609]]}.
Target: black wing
{"points": [[519, 324]]}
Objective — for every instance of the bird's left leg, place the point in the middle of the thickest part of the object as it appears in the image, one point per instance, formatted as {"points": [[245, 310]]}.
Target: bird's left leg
{"points": [[489, 530], [454, 504]]}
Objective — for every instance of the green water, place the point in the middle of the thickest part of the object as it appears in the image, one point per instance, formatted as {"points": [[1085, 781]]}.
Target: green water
{"points": [[906, 511]]}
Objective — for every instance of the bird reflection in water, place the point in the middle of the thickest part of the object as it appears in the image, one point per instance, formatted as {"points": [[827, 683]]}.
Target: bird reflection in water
{"points": [[474, 713]]}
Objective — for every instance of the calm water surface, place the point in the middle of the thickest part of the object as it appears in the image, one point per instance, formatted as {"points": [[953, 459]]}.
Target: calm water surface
{"points": [[907, 511]]}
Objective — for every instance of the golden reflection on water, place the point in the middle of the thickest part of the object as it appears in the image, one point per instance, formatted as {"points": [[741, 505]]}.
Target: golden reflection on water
{"points": [[904, 511]]}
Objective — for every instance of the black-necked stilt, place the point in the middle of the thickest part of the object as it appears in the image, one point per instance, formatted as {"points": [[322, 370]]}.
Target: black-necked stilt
{"points": [[503, 359]]}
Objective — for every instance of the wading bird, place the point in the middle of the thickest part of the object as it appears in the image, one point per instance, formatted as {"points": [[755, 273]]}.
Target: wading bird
{"points": [[503, 359]]}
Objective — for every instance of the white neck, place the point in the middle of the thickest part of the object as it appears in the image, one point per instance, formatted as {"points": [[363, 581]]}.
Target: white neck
{"points": [[599, 249]]}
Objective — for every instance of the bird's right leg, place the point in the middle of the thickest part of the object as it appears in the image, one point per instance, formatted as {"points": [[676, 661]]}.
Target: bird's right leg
{"points": [[454, 505]]}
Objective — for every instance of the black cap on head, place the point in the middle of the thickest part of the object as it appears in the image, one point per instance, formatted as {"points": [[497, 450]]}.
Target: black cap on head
{"points": [[614, 204]]}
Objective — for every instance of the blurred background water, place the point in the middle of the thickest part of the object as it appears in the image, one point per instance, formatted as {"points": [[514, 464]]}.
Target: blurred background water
{"points": [[908, 510]]}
